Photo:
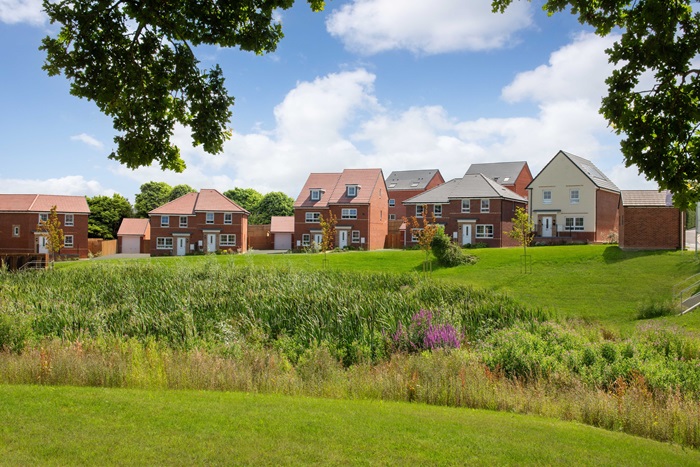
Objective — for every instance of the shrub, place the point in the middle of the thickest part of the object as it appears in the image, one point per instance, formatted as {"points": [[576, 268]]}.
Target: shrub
{"points": [[447, 253], [424, 334], [656, 309]]}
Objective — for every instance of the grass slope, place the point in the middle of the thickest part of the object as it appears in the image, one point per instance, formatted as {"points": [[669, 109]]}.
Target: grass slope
{"points": [[592, 282], [73, 426]]}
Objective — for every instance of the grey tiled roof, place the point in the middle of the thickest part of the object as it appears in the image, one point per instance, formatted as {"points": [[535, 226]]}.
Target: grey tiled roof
{"points": [[504, 173], [646, 198], [410, 179], [592, 172], [469, 186]]}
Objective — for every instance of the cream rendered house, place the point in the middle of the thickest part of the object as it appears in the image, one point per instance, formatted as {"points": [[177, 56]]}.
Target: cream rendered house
{"points": [[572, 200]]}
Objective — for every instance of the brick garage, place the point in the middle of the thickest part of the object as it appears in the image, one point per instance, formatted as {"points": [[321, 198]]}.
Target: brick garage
{"points": [[648, 221]]}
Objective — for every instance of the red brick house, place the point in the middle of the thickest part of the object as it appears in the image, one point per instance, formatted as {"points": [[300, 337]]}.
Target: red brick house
{"points": [[571, 200], [404, 184], [19, 223], [134, 236], [472, 209], [515, 176], [356, 197], [649, 221], [198, 222]]}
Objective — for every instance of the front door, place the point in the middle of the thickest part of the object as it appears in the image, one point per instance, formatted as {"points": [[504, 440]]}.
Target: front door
{"points": [[342, 239], [181, 246], [41, 246], [547, 226], [211, 243], [318, 240], [466, 234]]}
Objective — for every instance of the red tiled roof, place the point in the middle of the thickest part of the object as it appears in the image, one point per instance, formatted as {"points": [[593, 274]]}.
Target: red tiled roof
{"points": [[322, 181], [44, 203], [282, 224], [140, 227], [334, 186], [206, 200]]}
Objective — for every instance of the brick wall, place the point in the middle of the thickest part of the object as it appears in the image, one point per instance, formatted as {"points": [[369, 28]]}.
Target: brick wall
{"points": [[25, 242], [196, 225], [650, 228], [607, 214]]}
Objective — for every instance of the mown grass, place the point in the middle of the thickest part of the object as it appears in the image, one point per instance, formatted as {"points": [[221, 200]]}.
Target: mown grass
{"points": [[69, 426], [597, 283]]}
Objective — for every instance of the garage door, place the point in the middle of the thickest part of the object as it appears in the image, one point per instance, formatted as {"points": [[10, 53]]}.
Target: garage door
{"points": [[131, 244], [283, 241]]}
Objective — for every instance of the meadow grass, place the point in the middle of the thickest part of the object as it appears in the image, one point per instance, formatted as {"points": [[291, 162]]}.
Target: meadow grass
{"points": [[61, 425]]}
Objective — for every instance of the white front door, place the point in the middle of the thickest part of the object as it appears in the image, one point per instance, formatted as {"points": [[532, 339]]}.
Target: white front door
{"points": [[342, 239], [181, 246], [318, 239], [211, 243], [42, 248], [547, 226], [466, 234]]}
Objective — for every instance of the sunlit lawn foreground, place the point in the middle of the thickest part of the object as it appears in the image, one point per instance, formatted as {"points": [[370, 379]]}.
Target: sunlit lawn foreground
{"points": [[74, 426]]}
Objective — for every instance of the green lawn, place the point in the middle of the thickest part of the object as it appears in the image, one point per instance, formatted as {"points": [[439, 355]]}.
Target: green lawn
{"points": [[78, 426], [592, 282]]}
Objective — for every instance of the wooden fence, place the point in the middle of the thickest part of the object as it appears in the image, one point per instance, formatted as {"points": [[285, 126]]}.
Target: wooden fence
{"points": [[260, 238], [100, 247]]}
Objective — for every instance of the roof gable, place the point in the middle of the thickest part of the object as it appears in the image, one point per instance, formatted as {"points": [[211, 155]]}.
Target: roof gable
{"points": [[206, 200], [131, 226], [587, 168], [410, 179]]}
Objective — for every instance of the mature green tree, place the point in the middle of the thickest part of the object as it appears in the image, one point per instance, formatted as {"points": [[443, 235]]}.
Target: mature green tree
{"points": [[153, 194], [180, 190], [135, 59], [247, 198], [274, 203], [660, 40], [106, 215]]}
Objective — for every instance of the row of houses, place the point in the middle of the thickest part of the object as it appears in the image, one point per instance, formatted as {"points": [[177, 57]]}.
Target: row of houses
{"points": [[570, 200]]}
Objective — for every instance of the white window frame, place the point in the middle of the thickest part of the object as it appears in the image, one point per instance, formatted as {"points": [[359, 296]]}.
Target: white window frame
{"points": [[228, 218], [547, 197], [164, 243], [414, 237], [227, 240], [181, 223], [419, 211], [485, 205], [43, 217], [484, 231], [69, 220], [392, 217], [351, 191], [313, 217], [165, 221], [574, 199], [306, 240], [466, 206], [209, 218], [15, 230], [315, 195], [355, 236], [348, 213], [572, 224], [392, 202], [68, 241], [437, 211]]}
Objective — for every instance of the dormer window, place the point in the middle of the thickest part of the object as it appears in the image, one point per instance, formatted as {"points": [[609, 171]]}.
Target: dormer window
{"points": [[315, 194], [351, 191]]}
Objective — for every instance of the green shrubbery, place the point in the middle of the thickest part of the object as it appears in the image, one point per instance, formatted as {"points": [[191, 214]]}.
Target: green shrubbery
{"points": [[448, 253]]}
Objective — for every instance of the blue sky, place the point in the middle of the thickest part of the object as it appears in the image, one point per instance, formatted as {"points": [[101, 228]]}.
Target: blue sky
{"points": [[363, 84]]}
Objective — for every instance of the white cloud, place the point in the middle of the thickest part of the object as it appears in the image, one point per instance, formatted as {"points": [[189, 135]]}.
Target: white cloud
{"points": [[373, 26], [22, 11], [68, 185], [576, 71], [87, 139]]}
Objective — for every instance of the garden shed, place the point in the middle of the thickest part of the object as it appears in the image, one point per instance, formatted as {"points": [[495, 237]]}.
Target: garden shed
{"points": [[649, 221]]}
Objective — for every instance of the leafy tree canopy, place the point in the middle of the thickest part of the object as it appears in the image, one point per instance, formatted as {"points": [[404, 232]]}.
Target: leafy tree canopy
{"points": [[180, 190], [106, 215], [274, 203], [153, 194], [135, 60], [660, 40], [247, 198]]}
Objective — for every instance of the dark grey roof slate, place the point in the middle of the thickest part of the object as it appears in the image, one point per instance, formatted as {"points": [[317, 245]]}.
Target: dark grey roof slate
{"points": [[504, 173], [469, 186], [410, 179], [588, 168]]}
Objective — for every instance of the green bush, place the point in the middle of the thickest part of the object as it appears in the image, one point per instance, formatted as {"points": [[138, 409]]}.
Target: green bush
{"points": [[447, 253]]}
